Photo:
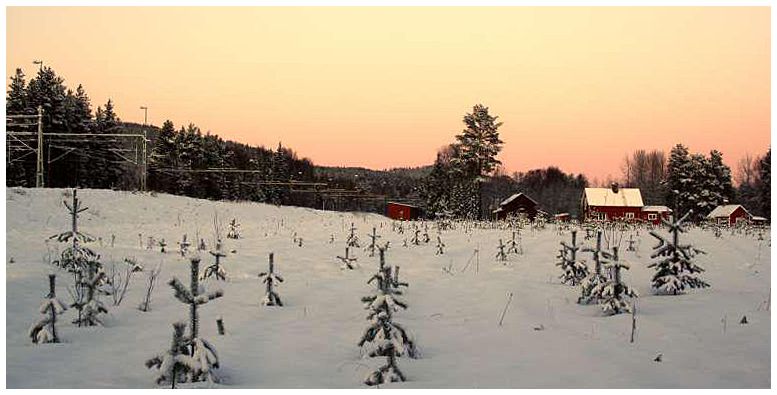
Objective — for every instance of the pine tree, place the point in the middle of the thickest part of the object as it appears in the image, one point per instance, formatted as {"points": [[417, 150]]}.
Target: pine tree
{"points": [[479, 144], [613, 293], [86, 296], [500, 254], [764, 187], [271, 297], [675, 270], [353, 239], [440, 246], [75, 257], [388, 338], [574, 270], [175, 365], [234, 229], [16, 97], [45, 330], [216, 269], [514, 246], [348, 262], [373, 240], [205, 359], [593, 282]]}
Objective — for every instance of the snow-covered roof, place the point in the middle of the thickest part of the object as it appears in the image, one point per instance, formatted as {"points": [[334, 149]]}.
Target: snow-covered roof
{"points": [[725, 211], [625, 197], [657, 209], [757, 218], [515, 196]]}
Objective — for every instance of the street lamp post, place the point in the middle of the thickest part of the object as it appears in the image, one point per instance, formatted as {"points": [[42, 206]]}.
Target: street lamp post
{"points": [[145, 156]]}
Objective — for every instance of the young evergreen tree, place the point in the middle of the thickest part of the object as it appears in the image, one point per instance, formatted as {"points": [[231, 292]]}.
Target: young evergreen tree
{"points": [[175, 364], [591, 285], [574, 270], [216, 269], [675, 270], [614, 292], [764, 187], [271, 297], [204, 356], [45, 330]]}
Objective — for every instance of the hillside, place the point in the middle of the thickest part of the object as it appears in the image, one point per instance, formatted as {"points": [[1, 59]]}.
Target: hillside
{"points": [[546, 340]]}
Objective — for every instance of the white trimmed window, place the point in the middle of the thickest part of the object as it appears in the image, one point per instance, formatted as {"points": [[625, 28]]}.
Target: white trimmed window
{"points": [[602, 216], [629, 215], [652, 217]]}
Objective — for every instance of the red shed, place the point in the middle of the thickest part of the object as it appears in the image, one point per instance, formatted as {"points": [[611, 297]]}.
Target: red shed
{"points": [[517, 203], [729, 214], [402, 211], [606, 204]]}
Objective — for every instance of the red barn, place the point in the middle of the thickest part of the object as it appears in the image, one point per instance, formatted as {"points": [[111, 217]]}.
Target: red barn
{"points": [[729, 214], [402, 211], [515, 204], [654, 214], [606, 204]]}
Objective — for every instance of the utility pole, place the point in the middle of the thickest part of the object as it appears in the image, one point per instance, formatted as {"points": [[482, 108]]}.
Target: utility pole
{"points": [[39, 165], [144, 173], [38, 62]]}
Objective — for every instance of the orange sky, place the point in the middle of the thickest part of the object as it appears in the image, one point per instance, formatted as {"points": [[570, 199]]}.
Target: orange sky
{"points": [[386, 87]]}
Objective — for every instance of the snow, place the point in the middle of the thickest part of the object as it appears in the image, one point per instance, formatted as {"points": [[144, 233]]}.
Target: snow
{"points": [[625, 197], [452, 314]]}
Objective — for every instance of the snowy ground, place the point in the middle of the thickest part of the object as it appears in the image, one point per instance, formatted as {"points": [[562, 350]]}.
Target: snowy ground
{"points": [[311, 342]]}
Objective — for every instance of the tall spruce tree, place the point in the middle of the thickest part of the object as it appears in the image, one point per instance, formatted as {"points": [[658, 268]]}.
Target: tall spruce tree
{"points": [[764, 188]]}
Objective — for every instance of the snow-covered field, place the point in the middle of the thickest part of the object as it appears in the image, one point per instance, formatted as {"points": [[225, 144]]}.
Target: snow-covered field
{"points": [[453, 313]]}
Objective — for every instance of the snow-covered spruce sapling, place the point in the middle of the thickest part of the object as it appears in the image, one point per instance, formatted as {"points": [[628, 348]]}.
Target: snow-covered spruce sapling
{"points": [[86, 295], [574, 270], [381, 305], [373, 241], [440, 246], [45, 330], [416, 236], [614, 292], [175, 364], [234, 229], [596, 278], [216, 269], [347, 260], [514, 246], [426, 234], [632, 243], [75, 256], [183, 246], [162, 246], [205, 359], [353, 239], [675, 270], [271, 278], [500, 254]]}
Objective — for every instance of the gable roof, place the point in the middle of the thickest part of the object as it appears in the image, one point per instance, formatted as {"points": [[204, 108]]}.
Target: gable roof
{"points": [[625, 197], [725, 210], [516, 196], [657, 209]]}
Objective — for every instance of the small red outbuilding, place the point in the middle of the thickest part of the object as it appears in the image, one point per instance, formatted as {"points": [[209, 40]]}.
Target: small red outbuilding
{"points": [[729, 214], [402, 211]]}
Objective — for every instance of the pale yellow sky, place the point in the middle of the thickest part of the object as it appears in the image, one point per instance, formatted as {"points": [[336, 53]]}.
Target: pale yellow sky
{"points": [[386, 87]]}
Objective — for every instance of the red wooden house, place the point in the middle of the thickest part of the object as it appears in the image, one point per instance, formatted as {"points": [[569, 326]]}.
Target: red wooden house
{"points": [[402, 211], [729, 214], [606, 204]]}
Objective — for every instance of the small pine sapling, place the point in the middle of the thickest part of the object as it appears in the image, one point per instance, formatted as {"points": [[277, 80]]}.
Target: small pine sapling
{"points": [[271, 278], [416, 239], [75, 257], [234, 229], [596, 278], [500, 254], [574, 270], [373, 242], [426, 234], [514, 246], [45, 330], [440, 246], [675, 271], [216, 269], [175, 364], [614, 292], [162, 246], [353, 240], [204, 357], [348, 262], [183, 246], [632, 244], [86, 296]]}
